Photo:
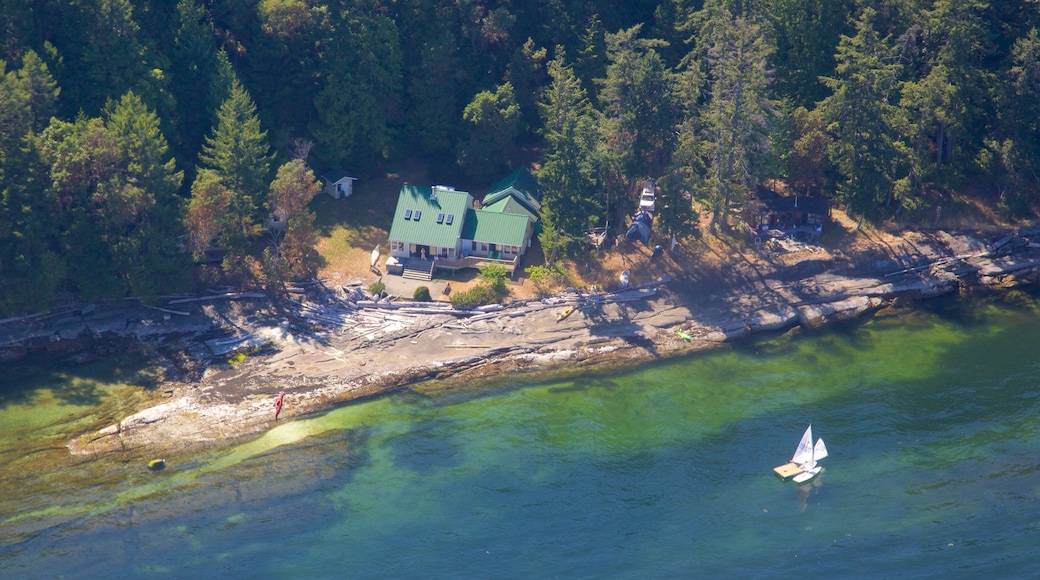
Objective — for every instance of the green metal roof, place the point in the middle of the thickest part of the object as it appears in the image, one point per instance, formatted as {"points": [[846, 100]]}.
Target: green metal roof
{"points": [[495, 228], [509, 204], [431, 228], [520, 185]]}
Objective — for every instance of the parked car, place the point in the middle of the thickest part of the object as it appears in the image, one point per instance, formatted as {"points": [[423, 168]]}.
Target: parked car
{"points": [[648, 199]]}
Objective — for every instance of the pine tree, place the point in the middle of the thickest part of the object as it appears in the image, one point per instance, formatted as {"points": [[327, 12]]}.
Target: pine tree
{"points": [[30, 271]]}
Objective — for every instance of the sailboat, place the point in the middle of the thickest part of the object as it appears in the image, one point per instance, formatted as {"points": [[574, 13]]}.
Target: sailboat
{"points": [[804, 464]]}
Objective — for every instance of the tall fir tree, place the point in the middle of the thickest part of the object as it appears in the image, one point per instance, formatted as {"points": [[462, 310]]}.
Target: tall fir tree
{"points": [[863, 120], [943, 104], [737, 118], [569, 177], [638, 106], [238, 152]]}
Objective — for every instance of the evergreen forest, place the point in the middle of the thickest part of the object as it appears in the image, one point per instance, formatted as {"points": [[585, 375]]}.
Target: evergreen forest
{"points": [[136, 136]]}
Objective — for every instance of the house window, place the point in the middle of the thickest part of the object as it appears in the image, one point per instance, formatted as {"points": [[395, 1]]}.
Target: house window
{"points": [[417, 214], [396, 246], [408, 214], [440, 218], [451, 218]]}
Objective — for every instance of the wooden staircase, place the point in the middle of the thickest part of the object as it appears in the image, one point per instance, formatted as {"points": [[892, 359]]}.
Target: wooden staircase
{"points": [[416, 269]]}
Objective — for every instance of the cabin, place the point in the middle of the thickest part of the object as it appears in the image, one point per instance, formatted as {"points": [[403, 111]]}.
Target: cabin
{"points": [[771, 215], [439, 227], [337, 184]]}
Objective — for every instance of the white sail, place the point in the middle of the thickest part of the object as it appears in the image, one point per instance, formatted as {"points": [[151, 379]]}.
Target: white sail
{"points": [[804, 453], [820, 451]]}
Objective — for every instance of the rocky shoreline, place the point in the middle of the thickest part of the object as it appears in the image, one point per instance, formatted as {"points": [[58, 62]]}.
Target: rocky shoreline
{"points": [[324, 347]]}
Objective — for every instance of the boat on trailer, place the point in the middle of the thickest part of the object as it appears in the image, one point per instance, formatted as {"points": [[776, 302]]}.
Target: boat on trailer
{"points": [[804, 464]]}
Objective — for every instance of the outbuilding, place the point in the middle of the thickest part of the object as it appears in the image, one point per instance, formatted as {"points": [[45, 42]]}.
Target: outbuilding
{"points": [[338, 184]]}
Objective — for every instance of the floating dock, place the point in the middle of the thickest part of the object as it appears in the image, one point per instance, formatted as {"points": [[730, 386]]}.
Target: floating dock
{"points": [[788, 470]]}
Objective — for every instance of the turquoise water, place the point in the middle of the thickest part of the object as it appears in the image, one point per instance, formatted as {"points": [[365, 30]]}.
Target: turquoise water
{"points": [[665, 471]]}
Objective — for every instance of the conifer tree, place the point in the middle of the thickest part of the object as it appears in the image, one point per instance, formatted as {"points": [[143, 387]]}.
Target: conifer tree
{"points": [[237, 151], [492, 122], [146, 247], [942, 106], [30, 271], [639, 115], [736, 120], [358, 106], [41, 88], [571, 203], [863, 120], [195, 68]]}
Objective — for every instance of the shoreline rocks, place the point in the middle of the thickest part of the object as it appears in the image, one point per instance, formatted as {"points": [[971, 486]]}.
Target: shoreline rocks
{"points": [[320, 364]]}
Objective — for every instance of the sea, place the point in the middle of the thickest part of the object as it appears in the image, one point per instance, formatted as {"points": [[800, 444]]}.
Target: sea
{"points": [[662, 470]]}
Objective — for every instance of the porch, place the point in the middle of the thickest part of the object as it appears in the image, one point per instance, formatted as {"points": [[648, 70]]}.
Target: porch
{"points": [[456, 264]]}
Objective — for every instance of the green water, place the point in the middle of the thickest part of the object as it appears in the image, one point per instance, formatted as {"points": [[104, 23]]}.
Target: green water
{"points": [[930, 417]]}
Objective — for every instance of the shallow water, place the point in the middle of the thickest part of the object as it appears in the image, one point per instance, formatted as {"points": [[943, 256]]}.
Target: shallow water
{"points": [[664, 471]]}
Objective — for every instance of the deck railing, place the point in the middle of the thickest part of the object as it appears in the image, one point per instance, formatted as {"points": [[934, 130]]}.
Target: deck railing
{"points": [[475, 262]]}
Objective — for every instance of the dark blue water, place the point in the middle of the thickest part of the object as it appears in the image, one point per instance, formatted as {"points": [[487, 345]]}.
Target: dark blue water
{"points": [[666, 471]]}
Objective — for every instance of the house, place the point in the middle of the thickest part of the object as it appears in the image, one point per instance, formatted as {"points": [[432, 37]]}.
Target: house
{"points": [[516, 193], [428, 222], [338, 184], [439, 227], [770, 214]]}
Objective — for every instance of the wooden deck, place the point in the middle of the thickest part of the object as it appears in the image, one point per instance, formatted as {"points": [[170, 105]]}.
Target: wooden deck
{"points": [[476, 262], [787, 470]]}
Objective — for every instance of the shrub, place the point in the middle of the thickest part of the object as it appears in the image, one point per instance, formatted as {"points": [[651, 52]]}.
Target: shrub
{"points": [[494, 275], [421, 294], [538, 274], [545, 277], [377, 288], [479, 295]]}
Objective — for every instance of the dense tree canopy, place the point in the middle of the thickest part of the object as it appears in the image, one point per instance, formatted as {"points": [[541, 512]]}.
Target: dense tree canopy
{"points": [[133, 134]]}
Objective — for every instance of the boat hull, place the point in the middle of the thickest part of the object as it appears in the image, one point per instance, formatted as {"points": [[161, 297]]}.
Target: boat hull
{"points": [[808, 475]]}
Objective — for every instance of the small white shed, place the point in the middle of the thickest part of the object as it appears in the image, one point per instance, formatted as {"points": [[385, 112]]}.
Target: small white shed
{"points": [[338, 184]]}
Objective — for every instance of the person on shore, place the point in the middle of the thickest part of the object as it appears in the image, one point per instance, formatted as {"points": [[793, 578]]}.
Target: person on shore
{"points": [[278, 404]]}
